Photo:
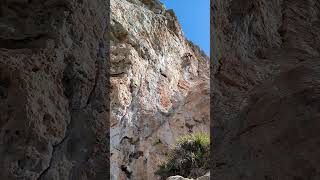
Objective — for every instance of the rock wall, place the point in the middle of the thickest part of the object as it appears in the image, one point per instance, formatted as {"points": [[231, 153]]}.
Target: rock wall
{"points": [[53, 89], [160, 87], [265, 89]]}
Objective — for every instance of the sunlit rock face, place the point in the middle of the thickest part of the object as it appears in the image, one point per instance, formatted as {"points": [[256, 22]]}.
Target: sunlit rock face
{"points": [[160, 87], [266, 86], [53, 84], [205, 177]]}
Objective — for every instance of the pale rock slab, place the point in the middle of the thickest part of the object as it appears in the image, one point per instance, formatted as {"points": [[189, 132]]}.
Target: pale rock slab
{"points": [[160, 87]]}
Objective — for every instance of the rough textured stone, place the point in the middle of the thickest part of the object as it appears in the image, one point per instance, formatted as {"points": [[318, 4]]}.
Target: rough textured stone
{"points": [[53, 101], [205, 177], [265, 89], [177, 178], [160, 87]]}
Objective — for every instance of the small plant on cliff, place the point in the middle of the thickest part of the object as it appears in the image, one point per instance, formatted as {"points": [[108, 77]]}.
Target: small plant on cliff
{"points": [[188, 158]]}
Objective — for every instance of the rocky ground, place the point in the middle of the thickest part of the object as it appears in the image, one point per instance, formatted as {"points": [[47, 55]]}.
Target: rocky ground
{"points": [[205, 177]]}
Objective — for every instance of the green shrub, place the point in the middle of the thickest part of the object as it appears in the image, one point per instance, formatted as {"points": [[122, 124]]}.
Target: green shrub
{"points": [[188, 158]]}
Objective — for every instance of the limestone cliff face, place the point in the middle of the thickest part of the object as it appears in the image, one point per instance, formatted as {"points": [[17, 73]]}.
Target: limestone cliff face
{"points": [[53, 100], [265, 89], [160, 87], [54, 87]]}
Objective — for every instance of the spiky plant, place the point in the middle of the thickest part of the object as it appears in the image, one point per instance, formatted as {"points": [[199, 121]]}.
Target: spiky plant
{"points": [[189, 157]]}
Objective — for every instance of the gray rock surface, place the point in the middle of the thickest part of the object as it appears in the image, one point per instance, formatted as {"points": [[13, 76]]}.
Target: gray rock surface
{"points": [[205, 177], [160, 87], [53, 90], [265, 89]]}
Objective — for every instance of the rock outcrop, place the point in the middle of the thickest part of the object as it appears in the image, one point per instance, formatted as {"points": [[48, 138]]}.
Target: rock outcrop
{"points": [[53, 89], [160, 87], [205, 177], [265, 89]]}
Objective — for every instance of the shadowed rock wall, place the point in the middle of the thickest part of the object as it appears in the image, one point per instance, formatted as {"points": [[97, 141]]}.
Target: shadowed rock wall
{"points": [[53, 89], [265, 89]]}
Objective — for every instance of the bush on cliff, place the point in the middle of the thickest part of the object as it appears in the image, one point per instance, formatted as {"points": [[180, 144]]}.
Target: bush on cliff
{"points": [[188, 158]]}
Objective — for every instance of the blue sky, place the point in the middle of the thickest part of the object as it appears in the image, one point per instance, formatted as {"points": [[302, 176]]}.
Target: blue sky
{"points": [[194, 17]]}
